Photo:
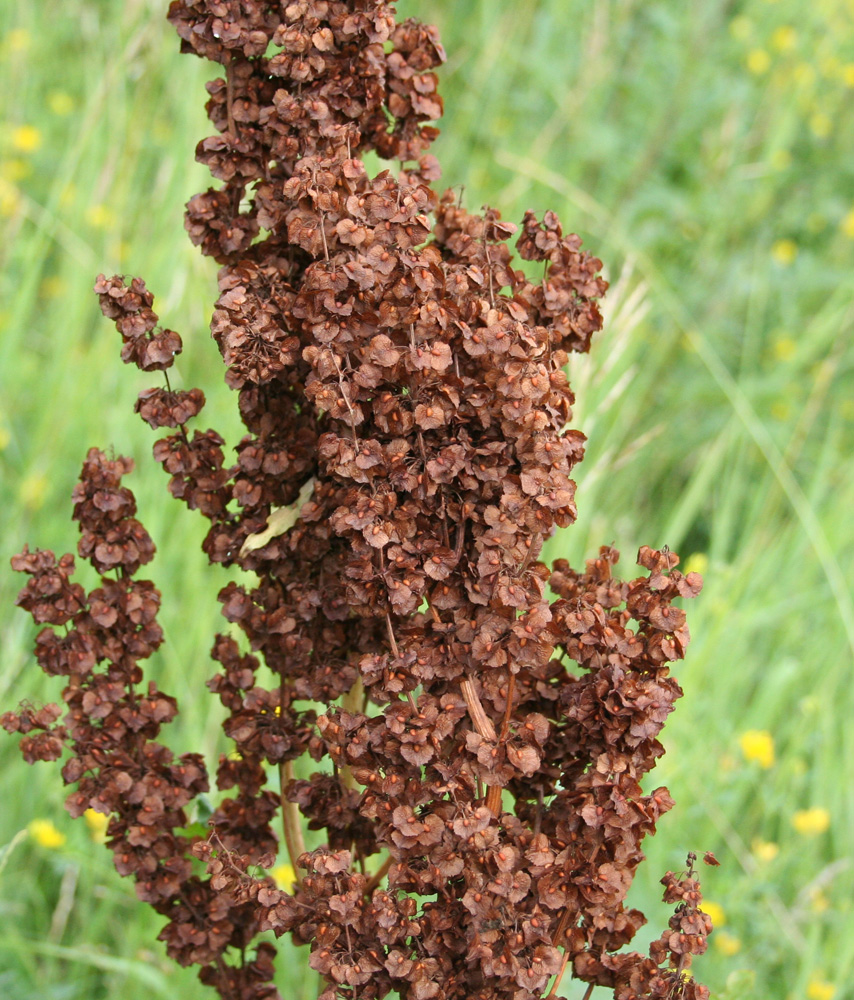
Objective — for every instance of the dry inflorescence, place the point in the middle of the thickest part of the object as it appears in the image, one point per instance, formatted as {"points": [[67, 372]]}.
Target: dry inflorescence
{"points": [[480, 747]]}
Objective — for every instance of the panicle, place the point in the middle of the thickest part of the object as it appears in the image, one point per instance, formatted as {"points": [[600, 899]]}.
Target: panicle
{"points": [[480, 743]]}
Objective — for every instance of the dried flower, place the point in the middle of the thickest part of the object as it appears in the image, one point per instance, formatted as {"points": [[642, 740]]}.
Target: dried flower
{"points": [[480, 743]]}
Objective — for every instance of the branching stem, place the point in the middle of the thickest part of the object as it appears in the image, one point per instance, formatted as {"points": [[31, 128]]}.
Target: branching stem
{"points": [[484, 727], [229, 96], [378, 875]]}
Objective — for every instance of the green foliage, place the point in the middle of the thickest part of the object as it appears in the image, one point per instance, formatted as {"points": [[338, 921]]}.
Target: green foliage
{"points": [[704, 153]]}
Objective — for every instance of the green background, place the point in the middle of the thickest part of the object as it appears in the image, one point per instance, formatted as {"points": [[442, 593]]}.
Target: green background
{"points": [[703, 151]]}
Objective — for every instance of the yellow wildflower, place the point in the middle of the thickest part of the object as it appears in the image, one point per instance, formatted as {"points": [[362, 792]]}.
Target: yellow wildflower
{"points": [[848, 74], [758, 61], [784, 252], [52, 287], [727, 944], [60, 103], [781, 159], [784, 348], [697, 563], [811, 822], [15, 169], [284, 876], [758, 745], [764, 850], [45, 834], [97, 823], [741, 27], [818, 901], [100, 216], [26, 138], [715, 911], [784, 38], [818, 988], [18, 39], [847, 225], [32, 490], [821, 125]]}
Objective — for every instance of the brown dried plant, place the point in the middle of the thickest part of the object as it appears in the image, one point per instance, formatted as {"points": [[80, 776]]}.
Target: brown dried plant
{"points": [[479, 747]]}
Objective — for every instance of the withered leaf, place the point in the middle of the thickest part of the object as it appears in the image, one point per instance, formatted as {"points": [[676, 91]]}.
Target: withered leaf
{"points": [[281, 519]]}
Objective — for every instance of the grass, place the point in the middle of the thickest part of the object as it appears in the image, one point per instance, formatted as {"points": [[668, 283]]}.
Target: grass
{"points": [[703, 151]]}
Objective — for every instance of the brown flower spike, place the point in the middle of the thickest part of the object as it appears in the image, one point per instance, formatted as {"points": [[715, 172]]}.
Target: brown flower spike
{"points": [[479, 746]]}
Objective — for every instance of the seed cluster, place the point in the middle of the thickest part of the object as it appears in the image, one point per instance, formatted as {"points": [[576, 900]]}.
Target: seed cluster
{"points": [[480, 746]]}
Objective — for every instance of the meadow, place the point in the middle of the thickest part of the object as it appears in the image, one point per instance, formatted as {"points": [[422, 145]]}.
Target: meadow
{"points": [[703, 151]]}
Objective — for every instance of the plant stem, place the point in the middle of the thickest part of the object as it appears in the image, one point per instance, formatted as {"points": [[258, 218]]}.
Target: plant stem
{"points": [[553, 991], [484, 727], [291, 827], [481, 721], [351, 702], [229, 97], [511, 690], [378, 875]]}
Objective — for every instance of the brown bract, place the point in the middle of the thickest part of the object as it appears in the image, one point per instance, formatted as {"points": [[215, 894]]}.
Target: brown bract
{"points": [[479, 744]]}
